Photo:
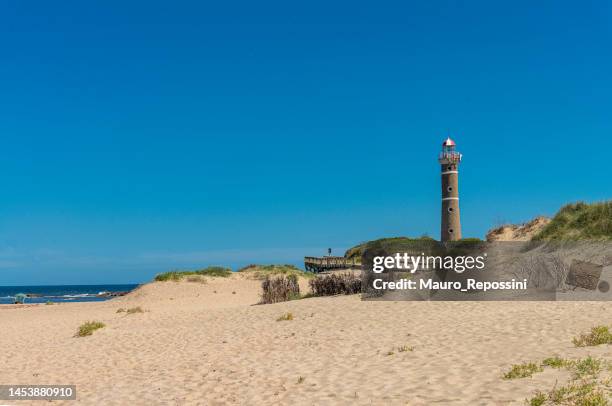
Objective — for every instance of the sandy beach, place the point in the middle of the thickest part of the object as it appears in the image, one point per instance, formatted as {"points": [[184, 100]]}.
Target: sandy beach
{"points": [[210, 344]]}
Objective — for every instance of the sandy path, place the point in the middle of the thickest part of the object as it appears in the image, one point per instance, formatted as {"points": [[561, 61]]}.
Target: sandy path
{"points": [[194, 346]]}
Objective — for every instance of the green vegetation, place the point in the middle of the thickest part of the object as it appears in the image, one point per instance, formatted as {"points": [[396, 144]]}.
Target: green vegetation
{"points": [[525, 370], [405, 348], [263, 271], [386, 244], [301, 379], [87, 329], [586, 388], [556, 362], [588, 366], [212, 271], [580, 221], [406, 244], [470, 240], [538, 400], [585, 393], [598, 335], [285, 317]]}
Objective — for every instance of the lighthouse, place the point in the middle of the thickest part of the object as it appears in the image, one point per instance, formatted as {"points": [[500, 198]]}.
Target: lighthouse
{"points": [[449, 160]]}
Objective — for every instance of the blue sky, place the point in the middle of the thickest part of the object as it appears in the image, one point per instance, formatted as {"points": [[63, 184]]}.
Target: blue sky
{"points": [[142, 137]]}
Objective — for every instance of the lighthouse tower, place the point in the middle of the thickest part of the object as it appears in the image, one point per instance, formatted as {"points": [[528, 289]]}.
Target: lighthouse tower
{"points": [[449, 162]]}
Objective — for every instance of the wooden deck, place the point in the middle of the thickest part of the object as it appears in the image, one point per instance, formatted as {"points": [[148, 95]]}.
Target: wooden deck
{"points": [[328, 263]]}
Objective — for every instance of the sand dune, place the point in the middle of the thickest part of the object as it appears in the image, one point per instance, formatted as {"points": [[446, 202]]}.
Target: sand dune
{"points": [[195, 346], [518, 232]]}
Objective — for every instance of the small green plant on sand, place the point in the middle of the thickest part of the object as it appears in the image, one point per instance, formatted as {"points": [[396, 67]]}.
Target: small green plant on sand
{"points": [[587, 367], [525, 370], [556, 362], [586, 387], [133, 310], [301, 379], [405, 348], [583, 393], [598, 335], [87, 329], [285, 317], [539, 399]]}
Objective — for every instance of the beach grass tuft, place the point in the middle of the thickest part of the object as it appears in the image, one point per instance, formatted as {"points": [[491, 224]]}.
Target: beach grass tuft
{"points": [[120, 310], [87, 329], [598, 335], [579, 221], [405, 348], [524, 370], [556, 362], [133, 310], [539, 399], [301, 379], [587, 367], [285, 317]]}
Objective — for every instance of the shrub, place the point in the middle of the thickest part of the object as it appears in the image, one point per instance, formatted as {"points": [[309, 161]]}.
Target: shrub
{"points": [[335, 284], [87, 329], [598, 335], [280, 289], [525, 370]]}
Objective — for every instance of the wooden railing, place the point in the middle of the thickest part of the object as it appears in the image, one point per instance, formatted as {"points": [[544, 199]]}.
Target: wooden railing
{"points": [[320, 264]]}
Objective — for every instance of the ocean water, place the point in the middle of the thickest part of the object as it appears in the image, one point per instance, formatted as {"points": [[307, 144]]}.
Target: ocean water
{"points": [[62, 293]]}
